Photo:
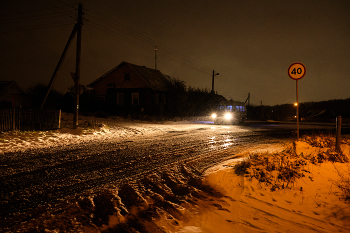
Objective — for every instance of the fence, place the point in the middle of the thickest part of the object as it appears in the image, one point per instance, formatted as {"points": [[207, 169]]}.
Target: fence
{"points": [[29, 119]]}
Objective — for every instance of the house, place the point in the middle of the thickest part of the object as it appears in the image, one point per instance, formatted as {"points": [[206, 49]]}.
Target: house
{"points": [[324, 115], [129, 89], [11, 95]]}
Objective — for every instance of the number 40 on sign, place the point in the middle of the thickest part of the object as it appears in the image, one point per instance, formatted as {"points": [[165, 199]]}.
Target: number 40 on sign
{"points": [[296, 71]]}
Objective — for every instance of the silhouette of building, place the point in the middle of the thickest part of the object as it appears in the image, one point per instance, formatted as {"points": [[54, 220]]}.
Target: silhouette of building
{"points": [[129, 89], [323, 115], [11, 95]]}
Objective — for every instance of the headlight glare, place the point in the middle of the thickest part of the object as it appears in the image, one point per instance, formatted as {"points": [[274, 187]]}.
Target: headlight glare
{"points": [[213, 115], [228, 116]]}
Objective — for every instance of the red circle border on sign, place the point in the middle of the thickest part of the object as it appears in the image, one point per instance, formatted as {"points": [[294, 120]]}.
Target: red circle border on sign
{"points": [[299, 64]]}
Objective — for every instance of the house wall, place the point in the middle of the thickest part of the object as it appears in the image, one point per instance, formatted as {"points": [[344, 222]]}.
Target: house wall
{"points": [[109, 86], [116, 78], [146, 104]]}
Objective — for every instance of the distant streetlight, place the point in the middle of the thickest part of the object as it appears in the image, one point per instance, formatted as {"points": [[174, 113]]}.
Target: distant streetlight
{"points": [[212, 84]]}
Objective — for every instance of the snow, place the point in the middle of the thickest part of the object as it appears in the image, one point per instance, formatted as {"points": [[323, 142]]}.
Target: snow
{"points": [[183, 200], [313, 204], [90, 129]]}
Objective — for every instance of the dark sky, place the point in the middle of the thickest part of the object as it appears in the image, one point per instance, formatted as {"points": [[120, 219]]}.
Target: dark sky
{"points": [[250, 43]]}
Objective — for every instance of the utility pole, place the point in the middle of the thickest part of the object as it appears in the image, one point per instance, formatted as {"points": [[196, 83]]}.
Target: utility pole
{"points": [[60, 62], [247, 105], [76, 30], [212, 83], [77, 67]]}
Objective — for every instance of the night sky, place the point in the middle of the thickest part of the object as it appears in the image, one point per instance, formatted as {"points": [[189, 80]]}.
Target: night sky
{"points": [[250, 43]]}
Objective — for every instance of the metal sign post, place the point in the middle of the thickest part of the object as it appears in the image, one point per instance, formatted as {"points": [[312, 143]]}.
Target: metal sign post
{"points": [[297, 71], [297, 112]]}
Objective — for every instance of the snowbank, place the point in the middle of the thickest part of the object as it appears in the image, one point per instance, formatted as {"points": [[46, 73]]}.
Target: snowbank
{"points": [[314, 203]]}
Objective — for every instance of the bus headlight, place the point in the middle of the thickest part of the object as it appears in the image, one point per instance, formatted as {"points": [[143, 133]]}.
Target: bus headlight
{"points": [[228, 116], [213, 115]]}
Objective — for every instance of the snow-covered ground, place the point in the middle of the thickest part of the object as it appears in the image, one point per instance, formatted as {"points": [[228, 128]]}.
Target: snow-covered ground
{"points": [[313, 203], [90, 129], [182, 199]]}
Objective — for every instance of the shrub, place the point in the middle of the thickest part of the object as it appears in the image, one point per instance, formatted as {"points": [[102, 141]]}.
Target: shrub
{"points": [[280, 170]]}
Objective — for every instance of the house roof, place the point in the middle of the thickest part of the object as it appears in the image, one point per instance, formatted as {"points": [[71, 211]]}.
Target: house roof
{"points": [[7, 84], [325, 113], [155, 79]]}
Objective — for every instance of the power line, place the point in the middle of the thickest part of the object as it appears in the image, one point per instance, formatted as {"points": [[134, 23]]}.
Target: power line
{"points": [[38, 27], [148, 47], [140, 39], [35, 18], [33, 11], [161, 47], [43, 19], [93, 52], [99, 21]]}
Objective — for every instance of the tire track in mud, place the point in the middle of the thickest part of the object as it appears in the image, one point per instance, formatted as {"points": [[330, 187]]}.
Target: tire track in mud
{"points": [[55, 174]]}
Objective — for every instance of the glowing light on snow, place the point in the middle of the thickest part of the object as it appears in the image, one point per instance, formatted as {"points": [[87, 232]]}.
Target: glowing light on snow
{"points": [[227, 143]]}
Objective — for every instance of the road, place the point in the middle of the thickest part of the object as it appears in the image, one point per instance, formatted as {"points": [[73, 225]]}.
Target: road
{"points": [[39, 177]]}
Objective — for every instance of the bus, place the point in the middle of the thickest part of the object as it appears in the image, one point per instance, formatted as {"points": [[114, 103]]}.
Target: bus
{"points": [[229, 112]]}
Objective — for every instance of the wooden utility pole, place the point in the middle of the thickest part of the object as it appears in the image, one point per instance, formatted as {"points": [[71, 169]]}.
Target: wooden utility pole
{"points": [[76, 30], [77, 67], [60, 62]]}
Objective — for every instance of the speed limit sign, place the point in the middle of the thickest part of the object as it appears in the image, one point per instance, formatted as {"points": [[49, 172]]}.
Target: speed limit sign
{"points": [[296, 71]]}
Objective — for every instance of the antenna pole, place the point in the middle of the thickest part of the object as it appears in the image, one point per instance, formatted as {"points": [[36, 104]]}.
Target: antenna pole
{"points": [[155, 57]]}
